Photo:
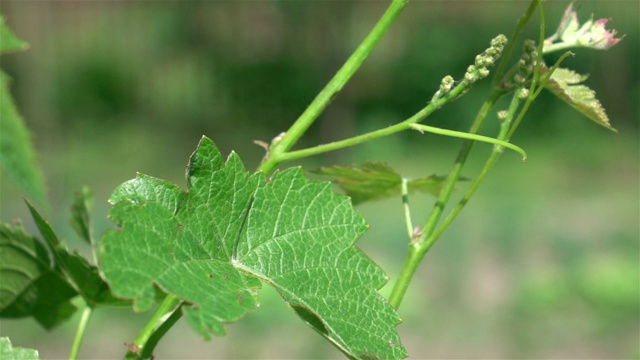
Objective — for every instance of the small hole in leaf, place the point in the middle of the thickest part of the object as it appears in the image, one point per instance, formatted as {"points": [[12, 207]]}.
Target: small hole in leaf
{"points": [[311, 318]]}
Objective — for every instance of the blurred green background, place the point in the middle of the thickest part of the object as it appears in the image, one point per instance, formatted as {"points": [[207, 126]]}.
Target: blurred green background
{"points": [[544, 262]]}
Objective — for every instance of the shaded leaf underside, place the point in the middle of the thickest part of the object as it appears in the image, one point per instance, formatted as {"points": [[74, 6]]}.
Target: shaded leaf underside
{"points": [[374, 181], [31, 285], [213, 246], [39, 279]]}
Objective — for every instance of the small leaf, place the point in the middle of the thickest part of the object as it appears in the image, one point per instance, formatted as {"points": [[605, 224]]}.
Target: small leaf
{"points": [[10, 353], [93, 289], [564, 84], [17, 157], [8, 41], [31, 285], [213, 246], [76, 269], [373, 181], [55, 246], [80, 218], [430, 185]]}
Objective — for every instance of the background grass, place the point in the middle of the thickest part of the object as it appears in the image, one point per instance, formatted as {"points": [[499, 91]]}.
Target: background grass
{"points": [[543, 263]]}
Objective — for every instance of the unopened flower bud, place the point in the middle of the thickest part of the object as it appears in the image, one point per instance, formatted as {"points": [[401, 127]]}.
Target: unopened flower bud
{"points": [[445, 87], [493, 52], [446, 84], [529, 46], [483, 73], [522, 63], [470, 76], [519, 79], [499, 41], [523, 93]]}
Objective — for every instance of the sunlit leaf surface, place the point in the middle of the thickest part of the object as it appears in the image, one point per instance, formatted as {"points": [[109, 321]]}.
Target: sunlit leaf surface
{"points": [[564, 83], [214, 245]]}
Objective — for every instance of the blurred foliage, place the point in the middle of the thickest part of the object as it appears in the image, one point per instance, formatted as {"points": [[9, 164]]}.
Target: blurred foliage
{"points": [[544, 261], [7, 351], [17, 155]]}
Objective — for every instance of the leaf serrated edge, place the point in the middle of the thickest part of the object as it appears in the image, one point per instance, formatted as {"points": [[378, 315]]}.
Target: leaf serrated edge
{"points": [[120, 196], [578, 96]]}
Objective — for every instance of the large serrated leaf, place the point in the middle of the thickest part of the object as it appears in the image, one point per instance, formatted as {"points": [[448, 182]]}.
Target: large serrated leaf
{"points": [[373, 181], [31, 285], [213, 245], [564, 83], [9, 352]]}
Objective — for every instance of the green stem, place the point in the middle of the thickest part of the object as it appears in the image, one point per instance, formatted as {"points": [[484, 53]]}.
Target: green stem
{"points": [[506, 55], [474, 137], [406, 274], [418, 249], [142, 344], [407, 209], [147, 351], [376, 134], [539, 81], [557, 47], [332, 88], [495, 154], [536, 73], [506, 131], [456, 171], [82, 327]]}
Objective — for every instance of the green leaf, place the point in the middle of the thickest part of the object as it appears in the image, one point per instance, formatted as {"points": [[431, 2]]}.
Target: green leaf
{"points": [[17, 157], [8, 41], [92, 288], [10, 353], [213, 245], [31, 284], [79, 273], [54, 244], [373, 181], [80, 218], [564, 84], [86, 279]]}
